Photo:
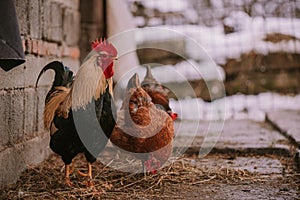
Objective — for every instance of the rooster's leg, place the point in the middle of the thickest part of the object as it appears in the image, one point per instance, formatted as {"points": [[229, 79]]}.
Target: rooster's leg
{"points": [[89, 182], [67, 176], [71, 168]]}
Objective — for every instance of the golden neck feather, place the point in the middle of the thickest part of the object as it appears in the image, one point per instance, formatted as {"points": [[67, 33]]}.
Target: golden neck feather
{"points": [[89, 84]]}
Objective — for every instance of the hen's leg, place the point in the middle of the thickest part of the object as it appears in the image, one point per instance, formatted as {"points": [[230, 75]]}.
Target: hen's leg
{"points": [[144, 169], [67, 176], [89, 182]]}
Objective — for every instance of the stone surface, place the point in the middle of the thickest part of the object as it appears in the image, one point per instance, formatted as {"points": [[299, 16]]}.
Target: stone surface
{"points": [[74, 4], [15, 159], [4, 112], [26, 74], [22, 14], [288, 122], [244, 134], [274, 175], [16, 116], [55, 27], [34, 18], [10, 168], [261, 165], [236, 135], [30, 112], [189, 134], [22, 138], [71, 33], [248, 191], [41, 93]]}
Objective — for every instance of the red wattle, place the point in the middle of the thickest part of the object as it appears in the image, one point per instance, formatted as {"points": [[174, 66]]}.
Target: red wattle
{"points": [[174, 116], [109, 71]]}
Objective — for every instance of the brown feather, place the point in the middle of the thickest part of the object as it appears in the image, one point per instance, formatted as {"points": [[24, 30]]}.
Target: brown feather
{"points": [[144, 129], [89, 83], [59, 103]]}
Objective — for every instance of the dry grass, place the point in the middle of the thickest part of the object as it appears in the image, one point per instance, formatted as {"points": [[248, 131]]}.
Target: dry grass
{"points": [[46, 181]]}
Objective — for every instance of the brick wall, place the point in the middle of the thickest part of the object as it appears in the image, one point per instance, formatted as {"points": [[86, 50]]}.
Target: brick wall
{"points": [[50, 30]]}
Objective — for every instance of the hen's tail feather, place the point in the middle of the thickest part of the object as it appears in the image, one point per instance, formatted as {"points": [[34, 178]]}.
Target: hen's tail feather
{"points": [[63, 75]]}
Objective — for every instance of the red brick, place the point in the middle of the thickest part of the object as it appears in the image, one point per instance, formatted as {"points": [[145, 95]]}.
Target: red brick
{"points": [[35, 47], [28, 46], [42, 48], [52, 49], [74, 52], [24, 45]]}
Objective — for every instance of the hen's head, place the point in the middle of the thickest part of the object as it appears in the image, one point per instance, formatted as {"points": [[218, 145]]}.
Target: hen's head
{"points": [[158, 93], [139, 102], [107, 53]]}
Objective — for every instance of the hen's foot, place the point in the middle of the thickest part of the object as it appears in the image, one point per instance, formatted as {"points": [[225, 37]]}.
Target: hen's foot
{"points": [[89, 183]]}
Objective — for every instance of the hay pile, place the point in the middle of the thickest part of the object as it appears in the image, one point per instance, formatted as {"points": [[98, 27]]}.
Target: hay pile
{"points": [[46, 181]]}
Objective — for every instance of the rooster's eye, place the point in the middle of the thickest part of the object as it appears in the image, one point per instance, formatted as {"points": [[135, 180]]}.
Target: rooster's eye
{"points": [[103, 54]]}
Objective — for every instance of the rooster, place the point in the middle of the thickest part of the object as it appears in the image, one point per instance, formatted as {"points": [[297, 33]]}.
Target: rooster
{"points": [[76, 106], [143, 129], [158, 93]]}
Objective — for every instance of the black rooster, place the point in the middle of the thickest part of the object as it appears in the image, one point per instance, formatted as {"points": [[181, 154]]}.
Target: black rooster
{"points": [[79, 111]]}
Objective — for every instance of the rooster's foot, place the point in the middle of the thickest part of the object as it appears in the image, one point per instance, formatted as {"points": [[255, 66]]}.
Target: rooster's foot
{"points": [[68, 182]]}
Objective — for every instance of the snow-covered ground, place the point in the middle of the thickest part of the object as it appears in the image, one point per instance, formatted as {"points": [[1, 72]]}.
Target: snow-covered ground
{"points": [[252, 107]]}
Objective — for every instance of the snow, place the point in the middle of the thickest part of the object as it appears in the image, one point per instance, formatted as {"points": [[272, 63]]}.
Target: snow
{"points": [[181, 73], [167, 5], [144, 35], [155, 21], [249, 38], [140, 21], [191, 15], [220, 46], [253, 107]]}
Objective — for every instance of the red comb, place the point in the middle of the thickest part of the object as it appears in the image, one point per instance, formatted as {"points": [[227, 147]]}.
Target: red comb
{"points": [[96, 43], [174, 116], [104, 45]]}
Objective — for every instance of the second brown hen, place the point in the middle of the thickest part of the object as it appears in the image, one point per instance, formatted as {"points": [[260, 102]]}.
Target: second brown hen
{"points": [[143, 129], [158, 93]]}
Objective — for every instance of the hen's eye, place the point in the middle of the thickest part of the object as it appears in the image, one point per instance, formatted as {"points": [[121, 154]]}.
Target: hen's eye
{"points": [[146, 99], [134, 106]]}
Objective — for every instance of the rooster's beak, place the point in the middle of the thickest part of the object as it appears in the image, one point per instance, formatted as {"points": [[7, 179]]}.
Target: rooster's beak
{"points": [[115, 58]]}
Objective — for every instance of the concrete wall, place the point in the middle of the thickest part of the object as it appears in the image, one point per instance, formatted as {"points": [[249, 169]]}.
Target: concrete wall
{"points": [[92, 24], [50, 30]]}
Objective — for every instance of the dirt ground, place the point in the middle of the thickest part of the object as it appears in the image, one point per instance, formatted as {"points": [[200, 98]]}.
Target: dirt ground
{"points": [[186, 178]]}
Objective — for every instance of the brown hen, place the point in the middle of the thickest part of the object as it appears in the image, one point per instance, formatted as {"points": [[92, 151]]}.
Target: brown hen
{"points": [[158, 93], [143, 129]]}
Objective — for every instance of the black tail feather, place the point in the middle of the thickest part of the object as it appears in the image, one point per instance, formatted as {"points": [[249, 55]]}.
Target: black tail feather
{"points": [[63, 75]]}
